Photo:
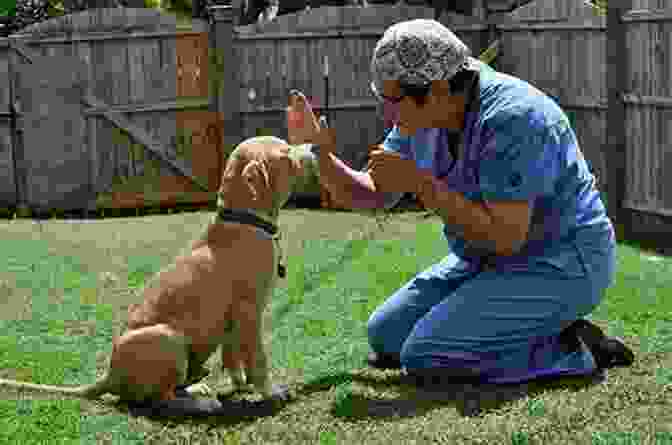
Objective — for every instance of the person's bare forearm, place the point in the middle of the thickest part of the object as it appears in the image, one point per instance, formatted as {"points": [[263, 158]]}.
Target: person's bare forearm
{"points": [[350, 188], [468, 219]]}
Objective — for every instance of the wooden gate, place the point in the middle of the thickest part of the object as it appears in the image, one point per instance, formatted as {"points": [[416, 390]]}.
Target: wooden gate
{"points": [[102, 124], [47, 94]]}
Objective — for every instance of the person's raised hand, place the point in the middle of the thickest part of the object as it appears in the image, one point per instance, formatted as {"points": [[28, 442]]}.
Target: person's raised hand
{"points": [[303, 126]]}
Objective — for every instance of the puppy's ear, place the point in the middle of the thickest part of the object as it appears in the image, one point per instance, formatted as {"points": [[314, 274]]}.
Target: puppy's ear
{"points": [[258, 182]]}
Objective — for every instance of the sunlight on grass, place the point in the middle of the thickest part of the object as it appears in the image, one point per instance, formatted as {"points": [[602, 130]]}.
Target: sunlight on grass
{"points": [[45, 347], [39, 421], [44, 359], [638, 303], [340, 283], [318, 319]]}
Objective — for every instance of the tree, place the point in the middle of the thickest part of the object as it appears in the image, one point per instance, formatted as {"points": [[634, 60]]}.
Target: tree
{"points": [[599, 6]]}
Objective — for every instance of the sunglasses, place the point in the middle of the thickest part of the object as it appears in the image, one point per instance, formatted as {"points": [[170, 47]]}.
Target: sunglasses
{"points": [[406, 90]]}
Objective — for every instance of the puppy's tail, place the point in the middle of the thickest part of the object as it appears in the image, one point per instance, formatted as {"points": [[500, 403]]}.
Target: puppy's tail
{"points": [[91, 391]]}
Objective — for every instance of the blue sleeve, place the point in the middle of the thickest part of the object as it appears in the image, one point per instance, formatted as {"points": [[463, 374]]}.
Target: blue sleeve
{"points": [[397, 143], [519, 161]]}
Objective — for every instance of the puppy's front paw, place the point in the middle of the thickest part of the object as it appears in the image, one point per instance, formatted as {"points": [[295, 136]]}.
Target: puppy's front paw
{"points": [[199, 389]]}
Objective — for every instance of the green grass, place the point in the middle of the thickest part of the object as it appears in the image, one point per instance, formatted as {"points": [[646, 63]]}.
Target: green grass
{"points": [[64, 287]]}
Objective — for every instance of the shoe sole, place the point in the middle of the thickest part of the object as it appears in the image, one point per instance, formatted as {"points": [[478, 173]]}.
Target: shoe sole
{"points": [[383, 362], [619, 355]]}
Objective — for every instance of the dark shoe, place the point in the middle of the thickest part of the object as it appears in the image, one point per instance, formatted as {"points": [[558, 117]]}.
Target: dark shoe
{"points": [[384, 361], [609, 352], [440, 378]]}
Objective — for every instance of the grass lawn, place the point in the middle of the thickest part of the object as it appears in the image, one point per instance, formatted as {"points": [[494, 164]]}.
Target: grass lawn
{"points": [[64, 288]]}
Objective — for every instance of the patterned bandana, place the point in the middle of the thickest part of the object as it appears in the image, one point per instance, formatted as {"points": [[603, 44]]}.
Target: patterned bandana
{"points": [[416, 52]]}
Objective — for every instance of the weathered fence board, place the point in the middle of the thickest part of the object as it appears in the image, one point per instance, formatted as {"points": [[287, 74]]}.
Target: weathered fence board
{"points": [[7, 135], [647, 104], [651, 4], [49, 97], [137, 70]]}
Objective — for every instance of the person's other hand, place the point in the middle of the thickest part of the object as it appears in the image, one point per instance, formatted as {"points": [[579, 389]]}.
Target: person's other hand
{"points": [[393, 174]]}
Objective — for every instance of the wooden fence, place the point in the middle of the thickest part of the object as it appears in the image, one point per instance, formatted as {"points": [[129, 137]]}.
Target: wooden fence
{"points": [[107, 108], [647, 102], [559, 46]]}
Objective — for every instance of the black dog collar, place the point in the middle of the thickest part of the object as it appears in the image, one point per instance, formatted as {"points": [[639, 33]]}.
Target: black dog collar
{"points": [[243, 217]]}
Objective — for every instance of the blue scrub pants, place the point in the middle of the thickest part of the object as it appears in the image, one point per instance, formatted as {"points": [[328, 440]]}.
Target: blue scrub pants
{"points": [[500, 324]]}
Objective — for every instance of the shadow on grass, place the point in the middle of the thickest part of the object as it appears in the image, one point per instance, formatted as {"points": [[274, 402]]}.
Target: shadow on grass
{"points": [[238, 410], [469, 399], [225, 412]]}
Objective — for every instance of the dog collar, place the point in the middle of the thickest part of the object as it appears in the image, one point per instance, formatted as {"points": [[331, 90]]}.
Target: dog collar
{"points": [[243, 217]]}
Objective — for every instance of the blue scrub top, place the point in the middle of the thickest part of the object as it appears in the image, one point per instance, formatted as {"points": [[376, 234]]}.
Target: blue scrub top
{"points": [[518, 144]]}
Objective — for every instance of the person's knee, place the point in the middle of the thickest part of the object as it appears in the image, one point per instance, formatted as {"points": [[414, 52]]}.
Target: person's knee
{"points": [[384, 334], [375, 332]]}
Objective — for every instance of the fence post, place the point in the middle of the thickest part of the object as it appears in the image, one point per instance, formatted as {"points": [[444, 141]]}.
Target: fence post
{"points": [[226, 98], [616, 79], [493, 19], [17, 127]]}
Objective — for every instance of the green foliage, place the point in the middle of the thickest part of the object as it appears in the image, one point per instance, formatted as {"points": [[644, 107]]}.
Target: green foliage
{"points": [[599, 6], [7, 8], [56, 8], [182, 8]]}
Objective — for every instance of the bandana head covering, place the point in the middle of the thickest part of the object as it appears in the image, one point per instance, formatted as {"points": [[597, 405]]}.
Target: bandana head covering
{"points": [[416, 52]]}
